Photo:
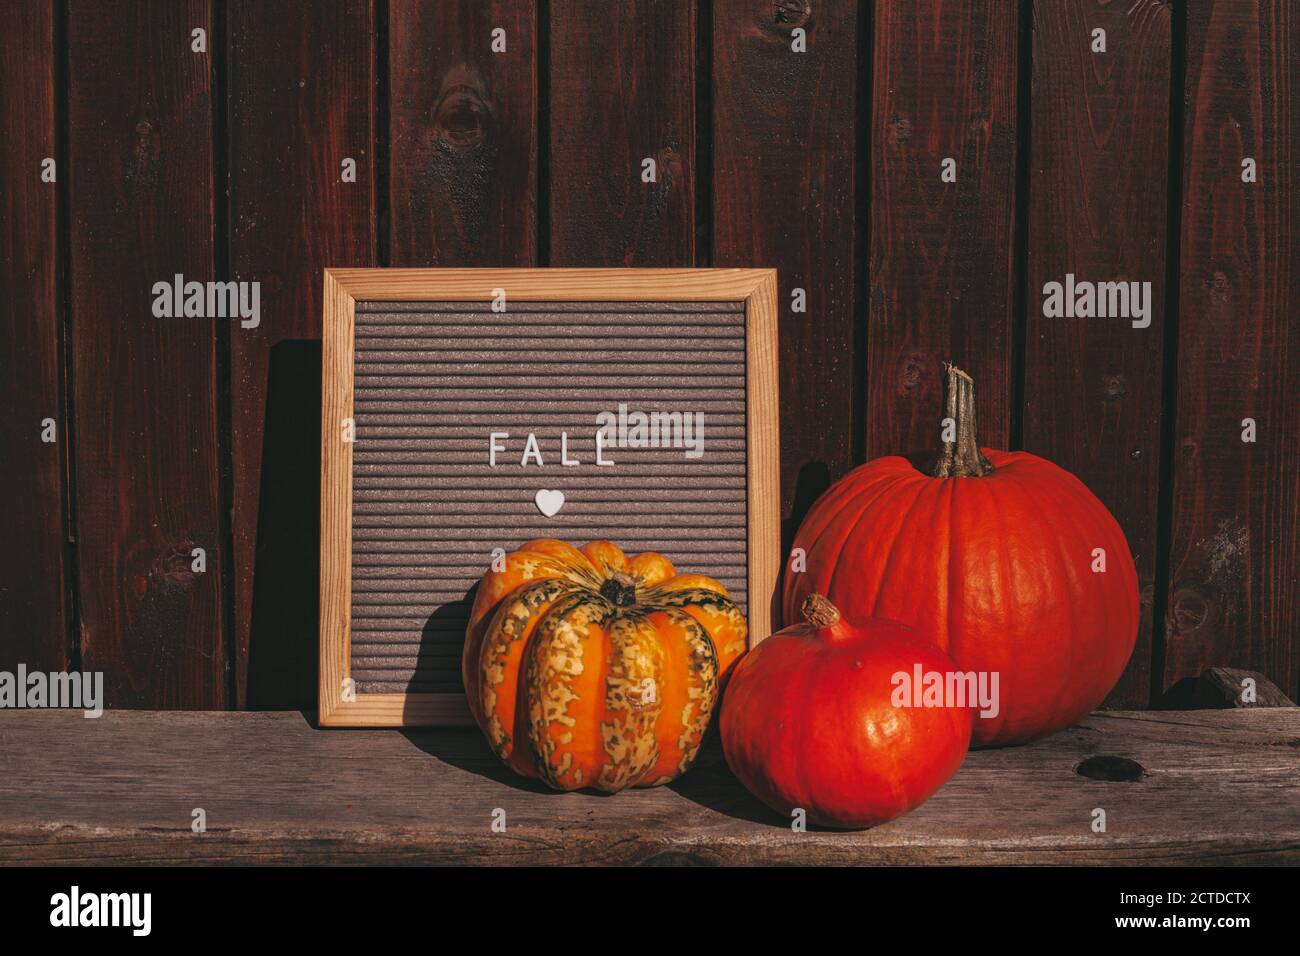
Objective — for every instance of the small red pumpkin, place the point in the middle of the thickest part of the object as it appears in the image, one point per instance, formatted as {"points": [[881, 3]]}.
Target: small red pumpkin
{"points": [[810, 721], [996, 555]]}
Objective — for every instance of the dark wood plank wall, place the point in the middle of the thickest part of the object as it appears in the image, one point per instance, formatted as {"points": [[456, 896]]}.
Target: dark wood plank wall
{"points": [[622, 91], [826, 163], [33, 602], [785, 126], [462, 120], [1233, 567], [942, 283], [145, 395], [302, 100], [1098, 183]]}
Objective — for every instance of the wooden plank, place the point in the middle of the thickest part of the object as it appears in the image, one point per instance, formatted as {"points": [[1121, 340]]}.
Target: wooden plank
{"points": [[1234, 593], [944, 87], [622, 90], [301, 101], [145, 388], [33, 617], [784, 131], [1211, 787], [1097, 210], [463, 141]]}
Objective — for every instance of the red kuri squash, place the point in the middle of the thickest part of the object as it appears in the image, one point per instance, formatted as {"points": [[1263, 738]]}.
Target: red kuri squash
{"points": [[813, 720], [1007, 560]]}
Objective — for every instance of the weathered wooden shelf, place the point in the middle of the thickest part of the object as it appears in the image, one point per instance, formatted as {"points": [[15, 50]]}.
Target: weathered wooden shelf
{"points": [[1214, 787]]}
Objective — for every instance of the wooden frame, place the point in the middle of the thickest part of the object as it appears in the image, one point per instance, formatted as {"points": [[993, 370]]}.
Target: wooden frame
{"points": [[756, 288]]}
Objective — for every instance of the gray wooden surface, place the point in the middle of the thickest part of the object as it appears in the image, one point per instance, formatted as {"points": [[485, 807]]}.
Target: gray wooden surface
{"points": [[1218, 787]]}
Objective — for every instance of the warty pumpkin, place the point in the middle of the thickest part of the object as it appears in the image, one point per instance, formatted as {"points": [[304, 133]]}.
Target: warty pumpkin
{"points": [[996, 555], [585, 668]]}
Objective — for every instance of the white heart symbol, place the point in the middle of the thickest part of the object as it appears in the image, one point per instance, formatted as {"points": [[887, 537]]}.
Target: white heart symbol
{"points": [[549, 502]]}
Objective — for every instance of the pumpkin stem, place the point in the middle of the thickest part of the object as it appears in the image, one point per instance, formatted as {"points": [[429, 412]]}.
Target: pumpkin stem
{"points": [[818, 611], [962, 457], [620, 590]]}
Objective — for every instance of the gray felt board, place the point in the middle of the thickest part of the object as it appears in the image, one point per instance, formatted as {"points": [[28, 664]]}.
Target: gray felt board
{"points": [[434, 380]]}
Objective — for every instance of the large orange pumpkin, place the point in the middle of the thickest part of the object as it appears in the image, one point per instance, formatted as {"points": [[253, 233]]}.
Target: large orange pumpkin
{"points": [[589, 669], [997, 555]]}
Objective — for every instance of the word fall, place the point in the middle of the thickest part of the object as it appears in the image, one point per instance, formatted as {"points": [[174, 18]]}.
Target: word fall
{"points": [[533, 452]]}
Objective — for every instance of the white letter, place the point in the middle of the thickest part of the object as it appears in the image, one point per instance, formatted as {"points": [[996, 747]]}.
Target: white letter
{"points": [[600, 458], [531, 450]]}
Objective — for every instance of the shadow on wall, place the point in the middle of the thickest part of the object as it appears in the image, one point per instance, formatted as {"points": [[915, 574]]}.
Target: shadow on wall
{"points": [[442, 639], [283, 642], [814, 478]]}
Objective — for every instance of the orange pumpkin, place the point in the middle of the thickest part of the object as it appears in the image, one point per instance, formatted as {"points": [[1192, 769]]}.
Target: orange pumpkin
{"points": [[587, 669], [994, 554]]}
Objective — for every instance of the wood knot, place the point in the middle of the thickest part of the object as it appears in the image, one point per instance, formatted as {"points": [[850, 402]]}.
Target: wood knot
{"points": [[899, 130], [1112, 768], [462, 118], [1114, 388], [909, 377], [1190, 611], [790, 14], [1219, 287]]}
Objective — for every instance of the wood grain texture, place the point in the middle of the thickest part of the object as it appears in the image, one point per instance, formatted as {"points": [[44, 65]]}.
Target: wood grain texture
{"points": [[622, 89], [463, 141], [784, 127], [1098, 186], [944, 86], [141, 180], [302, 99], [1216, 788], [1234, 591], [33, 617], [674, 290]]}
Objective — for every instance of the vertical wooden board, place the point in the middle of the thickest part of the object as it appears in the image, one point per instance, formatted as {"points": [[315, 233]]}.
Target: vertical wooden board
{"points": [[784, 127], [1099, 159], [622, 90], [33, 623], [145, 389], [302, 90], [1234, 597], [463, 134], [944, 87]]}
